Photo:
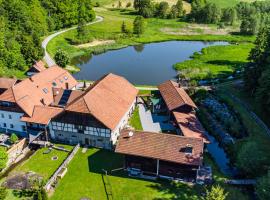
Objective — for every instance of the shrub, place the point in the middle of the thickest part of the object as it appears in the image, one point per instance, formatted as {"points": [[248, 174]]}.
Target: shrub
{"points": [[61, 58], [13, 138], [3, 193]]}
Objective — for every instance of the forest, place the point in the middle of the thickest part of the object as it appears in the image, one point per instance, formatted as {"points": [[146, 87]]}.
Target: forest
{"points": [[24, 22]]}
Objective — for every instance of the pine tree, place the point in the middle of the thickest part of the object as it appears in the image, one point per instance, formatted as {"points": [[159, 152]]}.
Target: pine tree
{"points": [[138, 25], [124, 28]]}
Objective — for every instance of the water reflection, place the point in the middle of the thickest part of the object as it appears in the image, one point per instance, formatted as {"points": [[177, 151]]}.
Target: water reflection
{"points": [[149, 64]]}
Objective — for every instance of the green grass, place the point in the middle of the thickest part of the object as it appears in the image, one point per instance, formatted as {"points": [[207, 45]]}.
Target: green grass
{"points": [[229, 3], [215, 61], [135, 121], [43, 164], [84, 179], [110, 28]]}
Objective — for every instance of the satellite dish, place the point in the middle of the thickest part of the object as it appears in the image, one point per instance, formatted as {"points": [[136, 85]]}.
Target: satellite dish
{"points": [[130, 134]]}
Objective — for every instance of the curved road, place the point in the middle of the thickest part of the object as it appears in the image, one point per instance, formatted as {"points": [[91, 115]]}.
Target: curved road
{"points": [[47, 58]]}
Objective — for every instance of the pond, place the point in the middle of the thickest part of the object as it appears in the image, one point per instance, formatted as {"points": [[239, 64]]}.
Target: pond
{"points": [[148, 64]]}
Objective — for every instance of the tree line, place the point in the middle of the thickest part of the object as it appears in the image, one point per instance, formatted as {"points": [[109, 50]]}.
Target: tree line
{"points": [[147, 8], [250, 16], [24, 22]]}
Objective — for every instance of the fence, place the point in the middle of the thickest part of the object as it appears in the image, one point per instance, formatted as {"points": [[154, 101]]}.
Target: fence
{"points": [[63, 165]]}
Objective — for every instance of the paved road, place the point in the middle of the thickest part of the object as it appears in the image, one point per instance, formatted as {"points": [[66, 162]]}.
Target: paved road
{"points": [[47, 58]]}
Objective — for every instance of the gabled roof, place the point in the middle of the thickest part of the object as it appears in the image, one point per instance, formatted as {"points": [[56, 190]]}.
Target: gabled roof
{"points": [[42, 115], [37, 67], [166, 147], [108, 99], [6, 83], [190, 125], [37, 90], [175, 96]]}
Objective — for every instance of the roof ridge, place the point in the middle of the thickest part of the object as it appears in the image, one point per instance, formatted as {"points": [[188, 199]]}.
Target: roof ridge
{"points": [[184, 137]]}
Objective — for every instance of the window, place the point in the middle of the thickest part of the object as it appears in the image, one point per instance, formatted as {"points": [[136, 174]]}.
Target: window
{"points": [[54, 84], [4, 125], [73, 136], [11, 126], [9, 116], [2, 115], [23, 128], [45, 90], [66, 78]]}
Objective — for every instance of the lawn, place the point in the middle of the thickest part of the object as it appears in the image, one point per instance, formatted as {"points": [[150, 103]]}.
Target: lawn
{"points": [[84, 179], [43, 164], [135, 121], [229, 3], [215, 61]]}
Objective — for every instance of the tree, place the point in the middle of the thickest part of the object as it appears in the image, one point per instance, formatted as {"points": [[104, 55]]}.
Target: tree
{"points": [[229, 16], [262, 93], [162, 9], [251, 159], [179, 7], [263, 187], [211, 13], [44, 194], [144, 7], [3, 193], [138, 25], [3, 158], [173, 13], [119, 4], [61, 58], [216, 193], [13, 138], [124, 28], [81, 29], [128, 4], [249, 25]]}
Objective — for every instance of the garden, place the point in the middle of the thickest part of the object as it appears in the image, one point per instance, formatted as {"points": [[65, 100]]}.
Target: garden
{"points": [[31, 174]]}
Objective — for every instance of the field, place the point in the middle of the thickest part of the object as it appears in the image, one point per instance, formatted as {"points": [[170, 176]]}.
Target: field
{"points": [[88, 181], [215, 61]]}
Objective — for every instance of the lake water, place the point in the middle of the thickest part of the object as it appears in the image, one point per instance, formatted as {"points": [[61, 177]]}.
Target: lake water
{"points": [[148, 64]]}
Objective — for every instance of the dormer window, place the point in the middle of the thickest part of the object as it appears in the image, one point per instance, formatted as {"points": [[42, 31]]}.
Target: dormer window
{"points": [[66, 78], [45, 90], [188, 149]]}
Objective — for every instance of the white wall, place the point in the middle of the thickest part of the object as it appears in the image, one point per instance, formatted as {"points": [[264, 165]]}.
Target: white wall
{"points": [[124, 121], [12, 118]]}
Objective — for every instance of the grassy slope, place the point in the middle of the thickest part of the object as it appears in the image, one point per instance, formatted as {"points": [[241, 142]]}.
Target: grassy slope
{"points": [[215, 61], [87, 181]]}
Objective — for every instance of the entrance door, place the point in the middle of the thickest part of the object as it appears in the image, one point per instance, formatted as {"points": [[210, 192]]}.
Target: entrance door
{"points": [[87, 141]]}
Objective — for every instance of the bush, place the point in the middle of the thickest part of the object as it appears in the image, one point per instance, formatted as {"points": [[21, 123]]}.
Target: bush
{"points": [[3, 193], [61, 58], [216, 193], [13, 138], [3, 158]]}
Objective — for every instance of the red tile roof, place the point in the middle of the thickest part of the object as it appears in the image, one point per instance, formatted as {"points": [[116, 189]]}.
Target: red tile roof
{"points": [[174, 96], [37, 67], [42, 115], [190, 125], [6, 83], [37, 90], [166, 147], [108, 99]]}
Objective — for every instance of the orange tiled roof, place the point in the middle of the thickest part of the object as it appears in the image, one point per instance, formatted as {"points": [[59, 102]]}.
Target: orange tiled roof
{"points": [[38, 67], [42, 114], [37, 90], [108, 99], [174, 96], [190, 125], [160, 146], [6, 83]]}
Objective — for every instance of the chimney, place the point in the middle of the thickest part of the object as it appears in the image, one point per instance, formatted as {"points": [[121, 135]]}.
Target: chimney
{"points": [[42, 101], [66, 84]]}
